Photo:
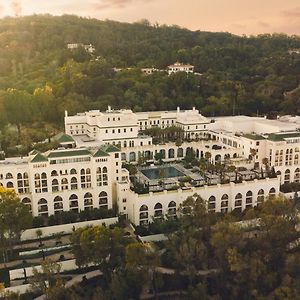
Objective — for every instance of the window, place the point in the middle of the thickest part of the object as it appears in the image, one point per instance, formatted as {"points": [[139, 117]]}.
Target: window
{"points": [[144, 215], [85, 178], [249, 199], [238, 202], [27, 202], [88, 201], [42, 207], [73, 202], [58, 204], [172, 209], [74, 185], [55, 186], [212, 204], [103, 200], [157, 211], [23, 183], [64, 184], [260, 196]]}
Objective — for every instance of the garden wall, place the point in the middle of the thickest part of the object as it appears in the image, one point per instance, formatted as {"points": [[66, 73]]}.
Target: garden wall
{"points": [[30, 234], [67, 265]]}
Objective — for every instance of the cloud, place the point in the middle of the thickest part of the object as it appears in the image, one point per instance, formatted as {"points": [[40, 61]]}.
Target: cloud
{"points": [[16, 6], [263, 24], [104, 4], [292, 13]]}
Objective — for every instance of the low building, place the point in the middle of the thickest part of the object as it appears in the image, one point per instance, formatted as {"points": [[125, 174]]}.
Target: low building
{"points": [[88, 47], [180, 67]]}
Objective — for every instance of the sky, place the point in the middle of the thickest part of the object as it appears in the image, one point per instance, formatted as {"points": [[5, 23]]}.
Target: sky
{"points": [[235, 16]]}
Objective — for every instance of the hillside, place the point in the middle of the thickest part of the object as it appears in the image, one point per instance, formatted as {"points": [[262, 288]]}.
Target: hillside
{"points": [[40, 77]]}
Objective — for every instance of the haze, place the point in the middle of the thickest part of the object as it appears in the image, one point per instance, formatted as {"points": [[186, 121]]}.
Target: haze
{"points": [[236, 16]]}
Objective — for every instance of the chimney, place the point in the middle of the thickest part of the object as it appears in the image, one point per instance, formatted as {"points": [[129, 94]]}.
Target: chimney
{"points": [[66, 113], [178, 109], [109, 108]]}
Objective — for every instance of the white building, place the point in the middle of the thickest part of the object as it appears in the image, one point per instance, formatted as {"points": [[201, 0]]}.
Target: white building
{"points": [[88, 47], [91, 175], [179, 67], [141, 209], [65, 179], [122, 127]]}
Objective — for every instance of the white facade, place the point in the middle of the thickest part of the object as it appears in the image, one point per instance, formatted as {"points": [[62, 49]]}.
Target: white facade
{"points": [[141, 209], [179, 67], [121, 127], [88, 48], [73, 179], [91, 175]]}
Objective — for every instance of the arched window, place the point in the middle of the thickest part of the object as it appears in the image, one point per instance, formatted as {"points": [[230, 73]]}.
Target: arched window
{"points": [[44, 176], [55, 186], [58, 204], [163, 153], [42, 207], [8, 176], [172, 209], [272, 192], [98, 176], [9, 185], [104, 176], [88, 201], [27, 202], [260, 196], [296, 159], [171, 153], [73, 172], [158, 210], [23, 183], [224, 203], [74, 185], [287, 176], [37, 176], [85, 178], [54, 173], [64, 184], [249, 199], [144, 215], [238, 202], [73, 202], [179, 152], [212, 204], [103, 200]]}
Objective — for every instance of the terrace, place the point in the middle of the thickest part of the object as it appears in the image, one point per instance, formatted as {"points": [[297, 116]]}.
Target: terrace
{"points": [[173, 176]]}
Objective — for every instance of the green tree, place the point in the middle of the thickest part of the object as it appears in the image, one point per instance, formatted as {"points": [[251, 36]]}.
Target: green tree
{"points": [[99, 245], [47, 280], [15, 216]]}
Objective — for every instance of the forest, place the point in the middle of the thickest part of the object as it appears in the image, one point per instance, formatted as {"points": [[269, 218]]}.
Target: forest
{"points": [[40, 78]]}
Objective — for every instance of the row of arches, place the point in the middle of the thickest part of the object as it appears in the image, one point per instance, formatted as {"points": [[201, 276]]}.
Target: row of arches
{"points": [[74, 203], [158, 212], [175, 153], [250, 201], [288, 177]]}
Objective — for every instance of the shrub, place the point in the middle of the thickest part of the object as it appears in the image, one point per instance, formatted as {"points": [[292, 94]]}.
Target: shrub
{"points": [[38, 222]]}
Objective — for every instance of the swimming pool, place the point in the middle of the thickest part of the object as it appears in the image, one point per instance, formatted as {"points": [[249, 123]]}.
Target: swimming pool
{"points": [[162, 172]]}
